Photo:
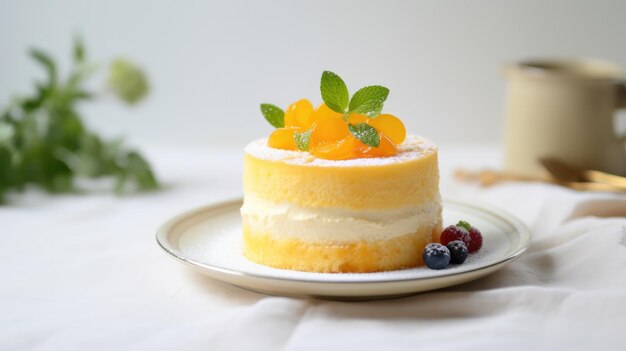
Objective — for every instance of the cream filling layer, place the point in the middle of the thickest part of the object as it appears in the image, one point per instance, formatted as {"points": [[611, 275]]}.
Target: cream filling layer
{"points": [[286, 220]]}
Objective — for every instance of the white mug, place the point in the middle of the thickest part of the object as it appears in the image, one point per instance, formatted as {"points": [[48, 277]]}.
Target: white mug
{"points": [[563, 109]]}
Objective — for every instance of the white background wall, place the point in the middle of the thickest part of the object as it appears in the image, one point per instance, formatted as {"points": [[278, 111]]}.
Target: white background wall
{"points": [[212, 62]]}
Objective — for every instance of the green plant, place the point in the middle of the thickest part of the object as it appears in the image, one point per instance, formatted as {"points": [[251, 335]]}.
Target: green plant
{"points": [[44, 141]]}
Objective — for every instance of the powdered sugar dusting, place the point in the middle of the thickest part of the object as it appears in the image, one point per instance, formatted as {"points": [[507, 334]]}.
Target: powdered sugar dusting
{"points": [[414, 147]]}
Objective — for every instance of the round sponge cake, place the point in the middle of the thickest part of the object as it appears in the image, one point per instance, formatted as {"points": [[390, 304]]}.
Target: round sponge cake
{"points": [[360, 215]]}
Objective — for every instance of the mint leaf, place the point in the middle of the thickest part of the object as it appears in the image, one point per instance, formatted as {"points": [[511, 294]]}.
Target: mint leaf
{"points": [[140, 170], [369, 99], [334, 92], [376, 112], [46, 61], [137, 170], [303, 140], [274, 115], [6, 133], [365, 133]]}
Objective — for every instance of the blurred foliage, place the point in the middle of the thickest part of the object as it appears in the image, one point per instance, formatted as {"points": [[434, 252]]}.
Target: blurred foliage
{"points": [[44, 142], [128, 81]]}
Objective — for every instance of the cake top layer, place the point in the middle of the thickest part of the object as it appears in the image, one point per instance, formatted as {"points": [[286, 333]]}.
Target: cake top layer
{"points": [[414, 147]]}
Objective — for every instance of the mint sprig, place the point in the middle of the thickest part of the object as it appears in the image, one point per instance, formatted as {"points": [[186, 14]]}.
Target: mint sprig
{"points": [[274, 115], [369, 100], [334, 92], [366, 101], [303, 140], [367, 134]]}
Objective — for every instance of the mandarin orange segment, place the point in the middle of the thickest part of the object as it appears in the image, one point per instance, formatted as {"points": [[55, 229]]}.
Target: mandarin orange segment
{"points": [[385, 148], [323, 111], [328, 130], [282, 138], [299, 114], [355, 118], [330, 137], [340, 150], [391, 126]]}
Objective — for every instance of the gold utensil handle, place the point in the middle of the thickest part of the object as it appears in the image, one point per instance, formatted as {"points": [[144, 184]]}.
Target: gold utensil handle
{"points": [[489, 177], [602, 177], [590, 186]]}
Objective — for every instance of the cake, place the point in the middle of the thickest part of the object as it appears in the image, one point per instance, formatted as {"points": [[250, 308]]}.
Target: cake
{"points": [[333, 203]]}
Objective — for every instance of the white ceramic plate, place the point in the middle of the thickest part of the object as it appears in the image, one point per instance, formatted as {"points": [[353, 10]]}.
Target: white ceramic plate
{"points": [[209, 240]]}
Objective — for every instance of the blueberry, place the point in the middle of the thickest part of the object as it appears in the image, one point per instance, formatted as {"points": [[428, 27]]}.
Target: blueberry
{"points": [[458, 251], [436, 256]]}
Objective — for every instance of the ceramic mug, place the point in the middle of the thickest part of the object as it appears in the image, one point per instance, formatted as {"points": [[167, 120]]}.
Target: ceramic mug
{"points": [[563, 109]]}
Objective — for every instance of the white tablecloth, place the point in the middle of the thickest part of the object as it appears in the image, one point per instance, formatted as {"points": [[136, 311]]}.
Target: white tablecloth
{"points": [[83, 272]]}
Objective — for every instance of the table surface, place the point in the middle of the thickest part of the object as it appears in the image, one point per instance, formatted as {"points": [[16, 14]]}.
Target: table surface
{"points": [[83, 271]]}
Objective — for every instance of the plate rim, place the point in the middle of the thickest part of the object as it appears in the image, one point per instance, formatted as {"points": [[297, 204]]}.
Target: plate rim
{"points": [[520, 228]]}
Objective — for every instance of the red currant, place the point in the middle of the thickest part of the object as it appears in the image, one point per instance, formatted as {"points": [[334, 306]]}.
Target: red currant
{"points": [[476, 240], [455, 232]]}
